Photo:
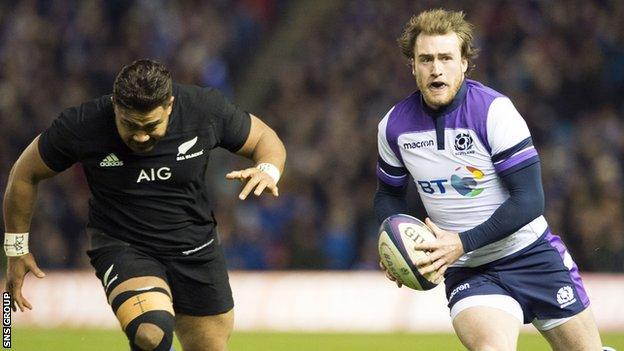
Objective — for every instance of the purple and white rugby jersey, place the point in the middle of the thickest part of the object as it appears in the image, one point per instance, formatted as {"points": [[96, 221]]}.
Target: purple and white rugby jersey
{"points": [[457, 156]]}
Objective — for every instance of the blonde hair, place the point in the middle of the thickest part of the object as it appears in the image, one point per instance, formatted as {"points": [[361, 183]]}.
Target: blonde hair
{"points": [[438, 22]]}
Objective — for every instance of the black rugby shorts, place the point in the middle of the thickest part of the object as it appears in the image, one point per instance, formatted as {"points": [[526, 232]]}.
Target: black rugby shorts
{"points": [[199, 282]]}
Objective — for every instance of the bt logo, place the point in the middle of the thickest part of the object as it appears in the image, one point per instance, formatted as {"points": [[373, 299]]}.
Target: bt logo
{"points": [[466, 185], [428, 186]]}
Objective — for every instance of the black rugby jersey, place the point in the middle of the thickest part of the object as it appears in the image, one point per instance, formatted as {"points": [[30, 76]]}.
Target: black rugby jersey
{"points": [[158, 199]]}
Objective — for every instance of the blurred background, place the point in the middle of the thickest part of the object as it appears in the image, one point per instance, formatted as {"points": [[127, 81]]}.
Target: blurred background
{"points": [[323, 73]]}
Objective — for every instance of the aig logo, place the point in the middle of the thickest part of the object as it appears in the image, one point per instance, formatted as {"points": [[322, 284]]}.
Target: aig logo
{"points": [[152, 174]]}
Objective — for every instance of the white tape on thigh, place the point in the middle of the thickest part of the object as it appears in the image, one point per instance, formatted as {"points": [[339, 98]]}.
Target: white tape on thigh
{"points": [[547, 324], [15, 244], [502, 302]]}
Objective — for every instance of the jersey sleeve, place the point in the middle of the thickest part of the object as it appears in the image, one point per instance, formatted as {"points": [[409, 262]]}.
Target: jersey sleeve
{"points": [[233, 124], [390, 169], [58, 144], [509, 138]]}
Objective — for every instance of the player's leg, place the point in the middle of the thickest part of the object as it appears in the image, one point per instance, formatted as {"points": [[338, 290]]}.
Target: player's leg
{"points": [[484, 315], [482, 327], [571, 334], [137, 290], [145, 312], [209, 333], [203, 299], [564, 316]]}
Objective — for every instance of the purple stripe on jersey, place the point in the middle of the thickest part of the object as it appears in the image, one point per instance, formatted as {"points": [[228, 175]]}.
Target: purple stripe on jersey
{"points": [[516, 154], [557, 244], [516, 159], [472, 113], [390, 179], [407, 116]]}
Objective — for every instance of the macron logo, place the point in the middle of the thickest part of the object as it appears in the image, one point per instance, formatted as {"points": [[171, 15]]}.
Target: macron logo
{"points": [[185, 147], [111, 161], [458, 289], [418, 144]]}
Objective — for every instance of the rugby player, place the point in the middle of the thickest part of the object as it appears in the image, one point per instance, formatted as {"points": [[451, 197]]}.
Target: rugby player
{"points": [[154, 244], [477, 172]]}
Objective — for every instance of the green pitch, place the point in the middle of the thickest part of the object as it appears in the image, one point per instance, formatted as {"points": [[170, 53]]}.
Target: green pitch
{"points": [[105, 340]]}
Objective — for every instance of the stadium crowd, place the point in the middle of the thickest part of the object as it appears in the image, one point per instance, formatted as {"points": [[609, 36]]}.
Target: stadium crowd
{"points": [[561, 62]]}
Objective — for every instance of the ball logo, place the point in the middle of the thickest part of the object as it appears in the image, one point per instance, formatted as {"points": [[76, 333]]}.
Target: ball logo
{"points": [[466, 186], [411, 233], [463, 142], [389, 259], [565, 296]]}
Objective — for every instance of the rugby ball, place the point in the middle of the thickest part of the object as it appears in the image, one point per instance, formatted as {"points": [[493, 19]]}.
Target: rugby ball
{"points": [[397, 236]]}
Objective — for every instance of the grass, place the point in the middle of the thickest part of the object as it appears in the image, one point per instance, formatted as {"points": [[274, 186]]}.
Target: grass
{"points": [[96, 340]]}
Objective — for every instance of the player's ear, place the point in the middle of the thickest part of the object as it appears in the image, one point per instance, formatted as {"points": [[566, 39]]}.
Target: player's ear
{"points": [[170, 105], [464, 65], [412, 64]]}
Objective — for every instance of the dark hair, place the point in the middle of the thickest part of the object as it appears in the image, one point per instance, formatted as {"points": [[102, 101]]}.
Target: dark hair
{"points": [[142, 86]]}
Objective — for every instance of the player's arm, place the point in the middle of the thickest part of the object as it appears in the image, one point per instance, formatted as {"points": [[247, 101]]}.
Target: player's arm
{"points": [[19, 202], [517, 164], [392, 179], [392, 176], [525, 203], [389, 200], [265, 148]]}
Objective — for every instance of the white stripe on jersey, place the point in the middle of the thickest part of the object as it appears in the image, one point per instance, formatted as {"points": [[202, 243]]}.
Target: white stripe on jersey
{"points": [[392, 176], [385, 152], [505, 127]]}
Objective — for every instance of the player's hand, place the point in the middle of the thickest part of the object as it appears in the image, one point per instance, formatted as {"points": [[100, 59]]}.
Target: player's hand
{"points": [[253, 178], [446, 249], [388, 275], [17, 268]]}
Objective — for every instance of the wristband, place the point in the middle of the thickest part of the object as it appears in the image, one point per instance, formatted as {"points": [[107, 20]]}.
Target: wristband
{"points": [[15, 244], [270, 170]]}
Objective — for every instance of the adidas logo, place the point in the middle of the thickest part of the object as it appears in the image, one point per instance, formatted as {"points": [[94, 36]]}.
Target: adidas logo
{"points": [[111, 161]]}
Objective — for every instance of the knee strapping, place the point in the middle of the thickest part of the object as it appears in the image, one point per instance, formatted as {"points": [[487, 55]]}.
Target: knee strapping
{"points": [[147, 307]]}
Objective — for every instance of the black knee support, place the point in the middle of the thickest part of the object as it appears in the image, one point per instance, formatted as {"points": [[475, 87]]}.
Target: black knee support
{"points": [[163, 319], [143, 311]]}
